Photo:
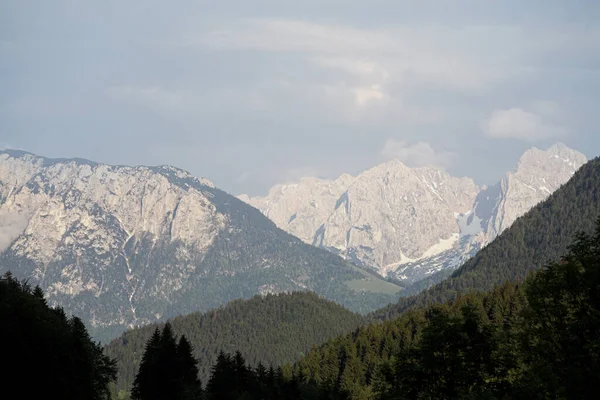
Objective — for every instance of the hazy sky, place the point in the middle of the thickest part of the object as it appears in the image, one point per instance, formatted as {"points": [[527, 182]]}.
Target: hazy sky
{"points": [[252, 93]]}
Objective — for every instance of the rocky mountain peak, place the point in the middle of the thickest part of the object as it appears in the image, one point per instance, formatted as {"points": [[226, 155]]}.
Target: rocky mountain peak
{"points": [[411, 222], [386, 215], [127, 245], [537, 175], [552, 158]]}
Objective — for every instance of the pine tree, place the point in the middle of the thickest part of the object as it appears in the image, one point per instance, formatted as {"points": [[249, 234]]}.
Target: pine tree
{"points": [[188, 370], [39, 294], [219, 384], [168, 369], [241, 373], [147, 380], [50, 356], [167, 365], [563, 324]]}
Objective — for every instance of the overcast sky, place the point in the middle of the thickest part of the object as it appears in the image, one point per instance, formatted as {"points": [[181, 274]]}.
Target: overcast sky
{"points": [[253, 93]]}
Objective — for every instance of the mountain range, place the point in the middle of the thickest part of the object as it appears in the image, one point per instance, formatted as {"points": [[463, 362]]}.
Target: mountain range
{"points": [[104, 240], [537, 249], [491, 281], [125, 246], [410, 223]]}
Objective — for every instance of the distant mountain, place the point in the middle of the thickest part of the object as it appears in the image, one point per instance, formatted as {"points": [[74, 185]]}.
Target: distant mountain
{"points": [[543, 234], [544, 328], [123, 246], [410, 223], [271, 329]]}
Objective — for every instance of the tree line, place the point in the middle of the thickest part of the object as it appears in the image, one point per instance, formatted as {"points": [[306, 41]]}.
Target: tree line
{"points": [[535, 339], [539, 339], [273, 329]]}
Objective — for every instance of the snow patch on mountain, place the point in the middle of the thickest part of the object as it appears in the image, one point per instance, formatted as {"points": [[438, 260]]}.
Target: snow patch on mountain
{"points": [[408, 223]]}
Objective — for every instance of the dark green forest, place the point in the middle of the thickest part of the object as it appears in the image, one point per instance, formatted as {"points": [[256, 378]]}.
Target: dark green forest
{"points": [[535, 340], [167, 370], [536, 238], [45, 354], [271, 329], [539, 339]]}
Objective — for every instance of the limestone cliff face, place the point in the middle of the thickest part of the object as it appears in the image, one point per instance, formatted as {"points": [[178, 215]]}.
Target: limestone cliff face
{"points": [[311, 201], [69, 204], [392, 213], [411, 222], [122, 246], [84, 226], [537, 175]]}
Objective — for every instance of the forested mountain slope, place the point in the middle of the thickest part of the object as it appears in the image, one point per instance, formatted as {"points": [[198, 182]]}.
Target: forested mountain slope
{"points": [[272, 329], [123, 246], [541, 235], [532, 340]]}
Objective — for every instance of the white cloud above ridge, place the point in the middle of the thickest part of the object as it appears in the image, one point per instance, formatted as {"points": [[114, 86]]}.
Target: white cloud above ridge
{"points": [[517, 123], [283, 85], [418, 154], [410, 54]]}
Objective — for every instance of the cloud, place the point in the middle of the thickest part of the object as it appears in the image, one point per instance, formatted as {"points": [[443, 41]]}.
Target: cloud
{"points": [[244, 176], [268, 86], [363, 96], [365, 68], [290, 35], [294, 174], [418, 154], [406, 54], [152, 96], [516, 123], [545, 108], [12, 225]]}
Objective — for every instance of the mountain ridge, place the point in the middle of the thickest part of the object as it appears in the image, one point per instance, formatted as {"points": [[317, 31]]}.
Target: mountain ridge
{"points": [[123, 246], [539, 236], [409, 223], [270, 329]]}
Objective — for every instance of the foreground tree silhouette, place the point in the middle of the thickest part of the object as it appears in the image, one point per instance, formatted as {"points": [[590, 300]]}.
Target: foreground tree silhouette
{"points": [[168, 370], [188, 370], [46, 354]]}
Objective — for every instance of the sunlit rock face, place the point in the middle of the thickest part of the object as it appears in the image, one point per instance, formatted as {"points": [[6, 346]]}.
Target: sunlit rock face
{"points": [[409, 223], [122, 246]]}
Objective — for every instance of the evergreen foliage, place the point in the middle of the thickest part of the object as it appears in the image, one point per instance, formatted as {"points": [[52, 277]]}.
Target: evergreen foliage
{"points": [[46, 354], [540, 236], [167, 370], [271, 329], [539, 340], [233, 379], [536, 340]]}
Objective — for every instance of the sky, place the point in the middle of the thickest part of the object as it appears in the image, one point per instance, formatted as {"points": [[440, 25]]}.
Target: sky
{"points": [[253, 93]]}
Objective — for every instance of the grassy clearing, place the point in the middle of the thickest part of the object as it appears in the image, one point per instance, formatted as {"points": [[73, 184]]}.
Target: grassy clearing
{"points": [[372, 283]]}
